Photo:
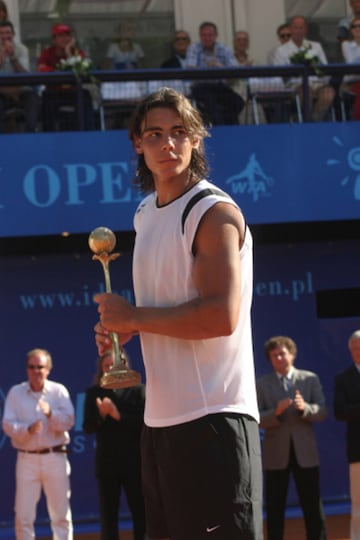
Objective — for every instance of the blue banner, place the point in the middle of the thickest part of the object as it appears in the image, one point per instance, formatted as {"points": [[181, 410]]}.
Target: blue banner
{"points": [[74, 182], [47, 302]]}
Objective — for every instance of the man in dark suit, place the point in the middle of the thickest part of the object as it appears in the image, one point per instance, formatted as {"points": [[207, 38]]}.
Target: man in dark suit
{"points": [[180, 44], [290, 400], [347, 409]]}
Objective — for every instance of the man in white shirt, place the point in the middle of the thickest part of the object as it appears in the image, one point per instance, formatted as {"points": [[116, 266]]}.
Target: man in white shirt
{"points": [[37, 416], [322, 94]]}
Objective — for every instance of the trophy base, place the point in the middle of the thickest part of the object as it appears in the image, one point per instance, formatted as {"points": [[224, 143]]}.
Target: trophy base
{"points": [[120, 377]]}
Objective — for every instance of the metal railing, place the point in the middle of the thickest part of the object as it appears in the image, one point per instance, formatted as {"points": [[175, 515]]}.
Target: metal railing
{"points": [[40, 80]]}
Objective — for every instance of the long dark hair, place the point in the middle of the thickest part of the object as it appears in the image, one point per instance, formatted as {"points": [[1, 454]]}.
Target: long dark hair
{"points": [[192, 121]]}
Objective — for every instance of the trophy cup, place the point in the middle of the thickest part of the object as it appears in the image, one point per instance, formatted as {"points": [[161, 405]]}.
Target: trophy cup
{"points": [[101, 242]]}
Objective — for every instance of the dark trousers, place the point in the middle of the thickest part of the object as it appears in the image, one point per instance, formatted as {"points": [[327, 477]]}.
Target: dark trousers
{"points": [[307, 481], [27, 100], [109, 489], [218, 103]]}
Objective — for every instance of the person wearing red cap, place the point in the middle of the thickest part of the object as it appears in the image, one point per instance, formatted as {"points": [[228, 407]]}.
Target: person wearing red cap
{"points": [[55, 97]]}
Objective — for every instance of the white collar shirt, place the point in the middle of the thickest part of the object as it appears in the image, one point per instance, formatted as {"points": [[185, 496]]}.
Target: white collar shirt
{"points": [[21, 409]]}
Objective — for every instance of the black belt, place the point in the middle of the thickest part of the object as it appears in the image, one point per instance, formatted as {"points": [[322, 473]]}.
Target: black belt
{"points": [[59, 448]]}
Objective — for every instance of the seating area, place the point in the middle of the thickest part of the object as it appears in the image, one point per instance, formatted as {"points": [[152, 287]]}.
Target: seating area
{"points": [[269, 98]]}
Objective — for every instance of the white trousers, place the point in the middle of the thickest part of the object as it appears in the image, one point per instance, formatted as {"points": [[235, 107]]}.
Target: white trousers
{"points": [[355, 501], [50, 472]]}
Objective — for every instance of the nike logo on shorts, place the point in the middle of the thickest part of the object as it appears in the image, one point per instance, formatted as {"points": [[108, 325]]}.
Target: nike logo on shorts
{"points": [[212, 529]]}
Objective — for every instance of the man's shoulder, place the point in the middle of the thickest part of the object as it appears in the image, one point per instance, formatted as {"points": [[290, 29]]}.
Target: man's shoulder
{"points": [[54, 385], [19, 388], [170, 62], [313, 44], [305, 374], [283, 52], [346, 373], [345, 22], [222, 47], [263, 380], [20, 47]]}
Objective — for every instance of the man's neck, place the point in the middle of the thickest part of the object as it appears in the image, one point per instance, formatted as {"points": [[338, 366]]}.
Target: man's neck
{"points": [[299, 42], [209, 50]]}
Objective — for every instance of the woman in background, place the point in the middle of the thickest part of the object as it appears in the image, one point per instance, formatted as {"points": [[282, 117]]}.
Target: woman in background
{"points": [[116, 418], [124, 53]]}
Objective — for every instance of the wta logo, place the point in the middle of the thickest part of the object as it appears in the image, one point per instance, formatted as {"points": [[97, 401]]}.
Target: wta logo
{"points": [[252, 180]]}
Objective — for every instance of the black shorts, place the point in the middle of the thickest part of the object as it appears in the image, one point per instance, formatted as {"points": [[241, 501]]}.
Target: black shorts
{"points": [[203, 479]]}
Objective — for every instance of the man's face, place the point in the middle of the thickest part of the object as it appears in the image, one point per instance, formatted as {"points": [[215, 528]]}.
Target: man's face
{"points": [[6, 34], [355, 6], [298, 28], [281, 359], [37, 370], [208, 36], [181, 43], [165, 144], [354, 347], [62, 40], [241, 41], [284, 34]]}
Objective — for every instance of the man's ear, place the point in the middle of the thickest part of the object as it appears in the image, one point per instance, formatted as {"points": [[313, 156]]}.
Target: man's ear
{"points": [[138, 146], [196, 143]]}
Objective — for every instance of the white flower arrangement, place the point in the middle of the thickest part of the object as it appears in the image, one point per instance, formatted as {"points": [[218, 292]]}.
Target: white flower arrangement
{"points": [[79, 65], [307, 57]]}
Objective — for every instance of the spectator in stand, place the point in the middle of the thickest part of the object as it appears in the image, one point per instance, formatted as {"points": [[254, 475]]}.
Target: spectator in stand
{"points": [[3, 11], [347, 409], [123, 53], [38, 415], [345, 23], [14, 58], [321, 92], [217, 101], [241, 46], [283, 33], [351, 53], [57, 97], [180, 44], [117, 418], [290, 401]]}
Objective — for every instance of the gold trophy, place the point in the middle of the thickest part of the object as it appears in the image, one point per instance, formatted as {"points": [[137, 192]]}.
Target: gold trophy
{"points": [[101, 242]]}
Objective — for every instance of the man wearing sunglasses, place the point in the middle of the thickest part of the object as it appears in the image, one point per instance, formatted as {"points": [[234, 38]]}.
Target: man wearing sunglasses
{"points": [[283, 33], [38, 414]]}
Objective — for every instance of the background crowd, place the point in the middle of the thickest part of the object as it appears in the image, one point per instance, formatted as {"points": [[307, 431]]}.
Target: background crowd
{"points": [[52, 107], [39, 414]]}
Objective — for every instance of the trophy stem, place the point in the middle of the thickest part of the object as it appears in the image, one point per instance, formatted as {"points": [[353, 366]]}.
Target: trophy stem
{"points": [[118, 353], [102, 242]]}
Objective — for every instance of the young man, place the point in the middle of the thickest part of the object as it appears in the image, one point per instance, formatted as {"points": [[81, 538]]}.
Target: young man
{"points": [[347, 409], [192, 274], [38, 414], [290, 401]]}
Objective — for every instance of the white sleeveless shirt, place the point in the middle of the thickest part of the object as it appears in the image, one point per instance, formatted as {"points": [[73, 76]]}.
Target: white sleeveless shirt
{"points": [[188, 379]]}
